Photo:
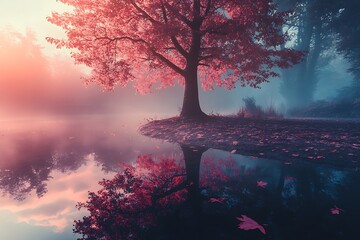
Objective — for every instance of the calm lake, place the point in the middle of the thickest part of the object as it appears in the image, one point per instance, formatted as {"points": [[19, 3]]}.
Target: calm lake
{"points": [[49, 165]]}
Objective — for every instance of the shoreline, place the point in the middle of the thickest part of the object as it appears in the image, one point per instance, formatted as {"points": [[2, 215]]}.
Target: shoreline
{"points": [[321, 141]]}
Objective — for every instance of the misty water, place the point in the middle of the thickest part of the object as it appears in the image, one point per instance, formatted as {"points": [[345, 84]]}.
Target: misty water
{"points": [[48, 165]]}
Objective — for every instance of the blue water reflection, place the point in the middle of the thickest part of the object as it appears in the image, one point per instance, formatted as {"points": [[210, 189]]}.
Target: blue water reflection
{"points": [[47, 167]]}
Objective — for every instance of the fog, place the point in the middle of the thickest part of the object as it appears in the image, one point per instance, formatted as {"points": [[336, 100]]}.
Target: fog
{"points": [[32, 83]]}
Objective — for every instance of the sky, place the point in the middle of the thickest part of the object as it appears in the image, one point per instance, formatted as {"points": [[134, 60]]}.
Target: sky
{"points": [[37, 78], [30, 15]]}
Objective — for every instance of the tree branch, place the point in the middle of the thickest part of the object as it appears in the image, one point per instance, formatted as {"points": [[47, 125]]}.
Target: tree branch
{"points": [[207, 10], [196, 8], [203, 64], [173, 190], [205, 57], [213, 31], [119, 39], [178, 15], [152, 50], [145, 14], [168, 62], [176, 43], [164, 11], [178, 47]]}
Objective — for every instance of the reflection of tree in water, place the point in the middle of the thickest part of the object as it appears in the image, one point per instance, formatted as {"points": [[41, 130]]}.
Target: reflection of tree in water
{"points": [[130, 202], [166, 200], [28, 159], [33, 163]]}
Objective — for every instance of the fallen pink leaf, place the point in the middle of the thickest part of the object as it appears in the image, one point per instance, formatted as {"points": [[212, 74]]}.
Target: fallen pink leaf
{"points": [[217, 200], [233, 151], [261, 184], [335, 210], [247, 223]]}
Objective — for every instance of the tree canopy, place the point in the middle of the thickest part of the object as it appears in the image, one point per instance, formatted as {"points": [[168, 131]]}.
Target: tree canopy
{"points": [[146, 42]]}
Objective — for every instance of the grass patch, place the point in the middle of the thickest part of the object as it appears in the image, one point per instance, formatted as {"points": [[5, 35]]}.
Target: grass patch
{"points": [[252, 110]]}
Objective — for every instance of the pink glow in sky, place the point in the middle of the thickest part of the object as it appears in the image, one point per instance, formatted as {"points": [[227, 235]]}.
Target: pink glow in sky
{"points": [[25, 15], [53, 209]]}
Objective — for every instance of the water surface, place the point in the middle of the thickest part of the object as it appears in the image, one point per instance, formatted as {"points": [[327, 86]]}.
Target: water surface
{"points": [[48, 165]]}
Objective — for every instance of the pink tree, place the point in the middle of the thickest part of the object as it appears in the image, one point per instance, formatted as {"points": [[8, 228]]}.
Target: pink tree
{"points": [[221, 42]]}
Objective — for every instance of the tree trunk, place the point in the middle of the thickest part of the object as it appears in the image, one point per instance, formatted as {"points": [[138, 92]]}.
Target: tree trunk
{"points": [[191, 105], [192, 164]]}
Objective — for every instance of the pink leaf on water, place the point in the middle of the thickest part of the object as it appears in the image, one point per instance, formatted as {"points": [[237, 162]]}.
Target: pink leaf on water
{"points": [[335, 210], [217, 200], [261, 184], [233, 151], [235, 142], [247, 223]]}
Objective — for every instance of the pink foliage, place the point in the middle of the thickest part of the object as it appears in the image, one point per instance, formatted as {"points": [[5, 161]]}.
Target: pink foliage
{"points": [[132, 199], [247, 223], [214, 174], [158, 42]]}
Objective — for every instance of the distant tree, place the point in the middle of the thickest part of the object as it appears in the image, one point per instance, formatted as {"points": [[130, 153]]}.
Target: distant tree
{"points": [[310, 26], [346, 25], [220, 42], [326, 29]]}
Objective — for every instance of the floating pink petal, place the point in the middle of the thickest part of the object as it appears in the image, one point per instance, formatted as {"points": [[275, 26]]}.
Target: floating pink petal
{"points": [[261, 184], [217, 200], [247, 223], [335, 210], [233, 151]]}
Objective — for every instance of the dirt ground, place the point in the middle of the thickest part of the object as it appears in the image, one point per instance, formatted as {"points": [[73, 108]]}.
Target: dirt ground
{"points": [[322, 141]]}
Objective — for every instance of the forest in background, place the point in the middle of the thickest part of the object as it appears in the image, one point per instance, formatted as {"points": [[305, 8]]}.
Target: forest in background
{"points": [[327, 30]]}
